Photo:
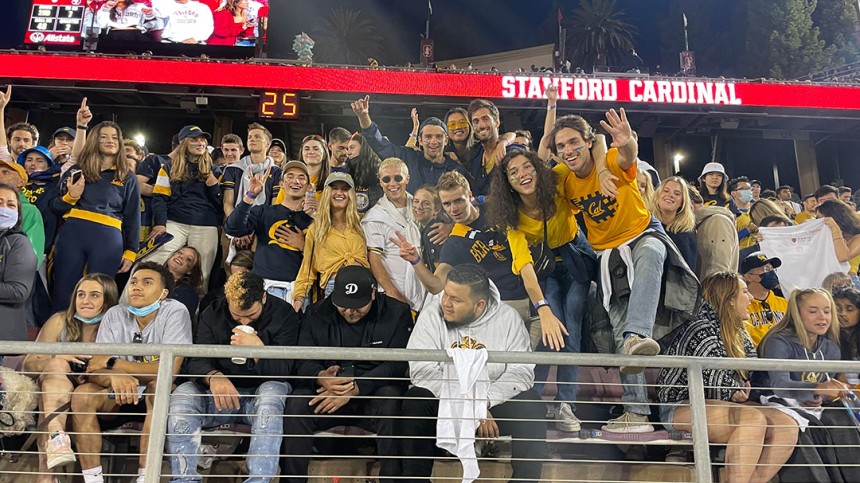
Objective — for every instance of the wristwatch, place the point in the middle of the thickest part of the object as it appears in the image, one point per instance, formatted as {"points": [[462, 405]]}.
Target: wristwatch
{"points": [[111, 362]]}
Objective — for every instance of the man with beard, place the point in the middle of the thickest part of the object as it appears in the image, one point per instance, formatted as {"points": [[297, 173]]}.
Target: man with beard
{"points": [[469, 315], [425, 166], [338, 145], [19, 136], [484, 117]]}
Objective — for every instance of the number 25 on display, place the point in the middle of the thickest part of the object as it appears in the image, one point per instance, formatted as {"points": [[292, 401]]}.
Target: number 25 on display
{"points": [[279, 105]]}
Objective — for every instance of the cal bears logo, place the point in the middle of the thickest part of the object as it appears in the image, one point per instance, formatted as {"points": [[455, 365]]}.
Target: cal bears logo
{"points": [[598, 207], [273, 238], [467, 342]]}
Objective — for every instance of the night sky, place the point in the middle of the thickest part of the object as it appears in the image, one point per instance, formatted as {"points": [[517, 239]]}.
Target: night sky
{"points": [[461, 29]]}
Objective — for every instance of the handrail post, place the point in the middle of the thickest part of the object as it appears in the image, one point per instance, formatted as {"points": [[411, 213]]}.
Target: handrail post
{"points": [[699, 422], [160, 407]]}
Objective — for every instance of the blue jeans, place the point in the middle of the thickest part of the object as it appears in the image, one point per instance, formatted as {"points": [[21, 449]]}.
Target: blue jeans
{"points": [[566, 290], [636, 314], [192, 408]]}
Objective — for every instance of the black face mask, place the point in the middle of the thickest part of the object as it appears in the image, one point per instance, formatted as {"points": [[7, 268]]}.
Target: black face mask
{"points": [[769, 280]]}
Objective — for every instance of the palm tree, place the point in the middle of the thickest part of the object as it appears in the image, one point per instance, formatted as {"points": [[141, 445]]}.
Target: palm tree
{"points": [[345, 37], [598, 34]]}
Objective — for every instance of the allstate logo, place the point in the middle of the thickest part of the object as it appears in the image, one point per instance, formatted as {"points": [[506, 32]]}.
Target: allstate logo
{"points": [[37, 37], [76, 2]]}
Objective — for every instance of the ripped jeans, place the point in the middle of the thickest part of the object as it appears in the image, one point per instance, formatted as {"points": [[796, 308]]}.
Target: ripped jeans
{"points": [[192, 409]]}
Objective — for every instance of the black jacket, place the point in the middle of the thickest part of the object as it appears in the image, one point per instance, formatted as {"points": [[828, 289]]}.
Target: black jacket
{"points": [[388, 325], [278, 325]]}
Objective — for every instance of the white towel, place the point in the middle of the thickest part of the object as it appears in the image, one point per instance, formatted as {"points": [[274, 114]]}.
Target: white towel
{"points": [[462, 405]]}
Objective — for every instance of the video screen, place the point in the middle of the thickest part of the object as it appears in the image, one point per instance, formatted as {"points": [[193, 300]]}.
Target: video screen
{"points": [[104, 23]]}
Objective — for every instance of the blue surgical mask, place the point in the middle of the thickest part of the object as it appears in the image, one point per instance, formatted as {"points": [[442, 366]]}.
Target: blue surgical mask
{"points": [[91, 320], [746, 196], [8, 218], [769, 280], [144, 311]]}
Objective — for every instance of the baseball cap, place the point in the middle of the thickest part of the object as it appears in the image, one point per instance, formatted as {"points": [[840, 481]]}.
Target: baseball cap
{"points": [[18, 168], [192, 131], [345, 177], [36, 149], [758, 259], [279, 143], [353, 287], [295, 164], [713, 168], [64, 130]]}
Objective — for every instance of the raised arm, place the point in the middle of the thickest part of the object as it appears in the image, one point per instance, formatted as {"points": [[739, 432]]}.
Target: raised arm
{"points": [[83, 118], [4, 100], [544, 151], [623, 137]]}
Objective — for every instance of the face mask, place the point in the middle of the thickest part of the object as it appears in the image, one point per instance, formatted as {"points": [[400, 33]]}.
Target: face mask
{"points": [[144, 311], [769, 280], [746, 196], [8, 218], [92, 320]]}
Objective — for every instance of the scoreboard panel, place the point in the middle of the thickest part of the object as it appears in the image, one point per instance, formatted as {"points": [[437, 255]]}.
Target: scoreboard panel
{"points": [[56, 22]]}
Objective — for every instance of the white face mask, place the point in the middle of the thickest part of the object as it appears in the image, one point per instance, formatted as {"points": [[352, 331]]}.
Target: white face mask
{"points": [[8, 218]]}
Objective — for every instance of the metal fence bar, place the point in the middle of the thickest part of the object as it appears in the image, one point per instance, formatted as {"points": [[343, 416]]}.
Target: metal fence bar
{"points": [[167, 353], [699, 422], [160, 406]]}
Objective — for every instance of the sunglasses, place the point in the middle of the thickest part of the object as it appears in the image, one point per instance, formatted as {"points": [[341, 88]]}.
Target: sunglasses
{"points": [[461, 124], [387, 179]]}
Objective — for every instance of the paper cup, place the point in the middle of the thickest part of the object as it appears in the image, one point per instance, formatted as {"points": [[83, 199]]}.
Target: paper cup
{"points": [[243, 328]]}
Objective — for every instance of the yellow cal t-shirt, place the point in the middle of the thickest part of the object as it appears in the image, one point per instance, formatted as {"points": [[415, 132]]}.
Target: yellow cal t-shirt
{"points": [[560, 229], [610, 222], [761, 319]]}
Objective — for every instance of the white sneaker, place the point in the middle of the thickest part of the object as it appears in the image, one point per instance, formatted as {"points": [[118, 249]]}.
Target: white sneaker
{"points": [[565, 420], [59, 450], [635, 345], [629, 423]]}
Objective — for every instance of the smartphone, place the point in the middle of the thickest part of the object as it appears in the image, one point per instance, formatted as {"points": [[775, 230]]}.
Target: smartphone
{"points": [[140, 390], [78, 367], [77, 175], [348, 371]]}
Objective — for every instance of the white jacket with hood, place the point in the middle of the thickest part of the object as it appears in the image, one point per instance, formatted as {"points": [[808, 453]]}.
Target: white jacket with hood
{"points": [[500, 328]]}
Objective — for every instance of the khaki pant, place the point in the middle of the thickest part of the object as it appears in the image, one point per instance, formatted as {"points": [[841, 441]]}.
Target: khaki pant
{"points": [[523, 307]]}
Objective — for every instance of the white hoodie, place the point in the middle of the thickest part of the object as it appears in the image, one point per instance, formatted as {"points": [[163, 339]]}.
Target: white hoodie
{"points": [[132, 17], [192, 20], [500, 328]]}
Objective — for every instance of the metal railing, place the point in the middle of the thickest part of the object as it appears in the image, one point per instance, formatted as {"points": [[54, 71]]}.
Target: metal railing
{"points": [[164, 382]]}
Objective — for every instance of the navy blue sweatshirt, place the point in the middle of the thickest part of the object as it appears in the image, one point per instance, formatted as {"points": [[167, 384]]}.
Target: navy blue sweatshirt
{"points": [[189, 202], [421, 170], [106, 202], [43, 187], [273, 260]]}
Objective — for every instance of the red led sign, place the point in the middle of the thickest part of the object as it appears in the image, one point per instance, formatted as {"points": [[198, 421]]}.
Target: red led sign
{"points": [[360, 81]]}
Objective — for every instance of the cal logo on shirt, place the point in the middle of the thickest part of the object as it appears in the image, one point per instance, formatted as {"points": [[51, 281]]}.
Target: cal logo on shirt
{"points": [[598, 207]]}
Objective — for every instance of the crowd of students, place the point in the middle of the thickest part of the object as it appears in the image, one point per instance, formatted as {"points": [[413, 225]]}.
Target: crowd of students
{"points": [[463, 237]]}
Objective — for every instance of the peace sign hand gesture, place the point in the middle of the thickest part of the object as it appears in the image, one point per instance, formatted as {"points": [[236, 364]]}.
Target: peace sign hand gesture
{"points": [[408, 252], [618, 127], [84, 115]]}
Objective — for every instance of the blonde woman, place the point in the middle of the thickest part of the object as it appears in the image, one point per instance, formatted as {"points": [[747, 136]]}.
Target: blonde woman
{"points": [[334, 240], [671, 204], [809, 331], [646, 185], [758, 440], [93, 296], [186, 200]]}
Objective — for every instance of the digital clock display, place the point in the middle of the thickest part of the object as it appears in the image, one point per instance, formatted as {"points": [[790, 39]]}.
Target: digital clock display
{"points": [[279, 105]]}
